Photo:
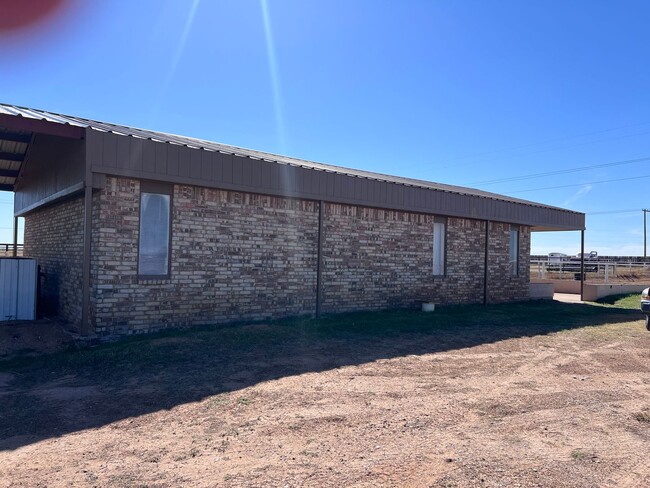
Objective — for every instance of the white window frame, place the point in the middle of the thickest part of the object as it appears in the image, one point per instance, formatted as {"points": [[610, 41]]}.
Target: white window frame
{"points": [[160, 238], [439, 253]]}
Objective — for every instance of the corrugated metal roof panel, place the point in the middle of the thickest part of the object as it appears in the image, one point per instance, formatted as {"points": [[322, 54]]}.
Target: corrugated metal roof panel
{"points": [[12, 153], [12, 146], [12, 165]]}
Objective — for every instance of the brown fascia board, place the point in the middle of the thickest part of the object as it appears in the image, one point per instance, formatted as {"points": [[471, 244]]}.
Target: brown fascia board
{"points": [[15, 137], [25, 124]]}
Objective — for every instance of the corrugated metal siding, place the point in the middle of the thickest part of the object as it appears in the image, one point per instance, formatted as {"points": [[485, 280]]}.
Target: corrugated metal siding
{"points": [[127, 156], [54, 164], [17, 289]]}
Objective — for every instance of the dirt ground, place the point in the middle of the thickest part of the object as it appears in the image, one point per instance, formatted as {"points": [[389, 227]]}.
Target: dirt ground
{"points": [[542, 407], [31, 338]]}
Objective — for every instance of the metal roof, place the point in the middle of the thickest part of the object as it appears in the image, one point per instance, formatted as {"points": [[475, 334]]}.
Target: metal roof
{"points": [[13, 145]]}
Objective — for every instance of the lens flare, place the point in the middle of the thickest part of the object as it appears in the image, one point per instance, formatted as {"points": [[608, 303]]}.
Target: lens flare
{"points": [[20, 15], [275, 77]]}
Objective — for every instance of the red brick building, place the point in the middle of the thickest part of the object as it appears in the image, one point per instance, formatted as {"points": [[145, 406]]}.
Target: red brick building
{"points": [[137, 230]]}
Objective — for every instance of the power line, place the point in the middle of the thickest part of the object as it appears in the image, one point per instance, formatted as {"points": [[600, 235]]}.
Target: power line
{"points": [[560, 171], [580, 144], [582, 184], [548, 141], [607, 212]]}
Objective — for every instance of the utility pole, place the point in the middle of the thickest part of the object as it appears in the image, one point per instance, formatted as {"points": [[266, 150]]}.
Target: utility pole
{"points": [[645, 240]]}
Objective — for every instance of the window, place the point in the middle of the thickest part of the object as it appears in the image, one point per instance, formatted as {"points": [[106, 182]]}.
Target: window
{"points": [[514, 250], [153, 257], [439, 231]]}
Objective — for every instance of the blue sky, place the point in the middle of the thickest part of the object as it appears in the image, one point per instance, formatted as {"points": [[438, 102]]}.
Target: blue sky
{"points": [[463, 92]]}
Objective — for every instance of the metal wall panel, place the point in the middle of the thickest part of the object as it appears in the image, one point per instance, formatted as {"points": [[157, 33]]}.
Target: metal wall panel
{"points": [[109, 151], [8, 287], [173, 158], [206, 166], [135, 154], [53, 165], [266, 174], [253, 172], [149, 157], [27, 281], [237, 170], [185, 165], [18, 278], [123, 151], [195, 164], [161, 159], [226, 161]]}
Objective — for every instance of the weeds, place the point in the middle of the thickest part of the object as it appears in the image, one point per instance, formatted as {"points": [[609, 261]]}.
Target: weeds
{"points": [[581, 455], [642, 416]]}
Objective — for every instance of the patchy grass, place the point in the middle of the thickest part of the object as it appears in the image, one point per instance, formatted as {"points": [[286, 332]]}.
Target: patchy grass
{"points": [[456, 326], [630, 301], [582, 455], [392, 397], [244, 401]]}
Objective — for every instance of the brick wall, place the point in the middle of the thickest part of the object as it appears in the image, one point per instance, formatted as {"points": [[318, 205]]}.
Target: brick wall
{"points": [[502, 287], [465, 271], [241, 256], [54, 236], [234, 256], [374, 259]]}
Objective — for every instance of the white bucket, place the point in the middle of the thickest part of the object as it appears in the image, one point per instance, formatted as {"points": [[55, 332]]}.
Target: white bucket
{"points": [[428, 307]]}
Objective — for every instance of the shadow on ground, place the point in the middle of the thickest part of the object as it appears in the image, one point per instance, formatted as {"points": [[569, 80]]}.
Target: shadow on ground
{"points": [[56, 394]]}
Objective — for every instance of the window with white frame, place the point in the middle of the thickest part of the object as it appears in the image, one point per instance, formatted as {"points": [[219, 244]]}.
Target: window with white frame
{"points": [[439, 236], [514, 250], [153, 255]]}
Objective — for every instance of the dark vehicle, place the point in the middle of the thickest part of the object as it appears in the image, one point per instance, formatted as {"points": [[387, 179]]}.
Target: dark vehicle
{"points": [[645, 306]]}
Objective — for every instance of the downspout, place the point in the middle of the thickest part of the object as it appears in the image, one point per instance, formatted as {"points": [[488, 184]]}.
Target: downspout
{"points": [[485, 263], [85, 285], [86, 326], [319, 258], [582, 265]]}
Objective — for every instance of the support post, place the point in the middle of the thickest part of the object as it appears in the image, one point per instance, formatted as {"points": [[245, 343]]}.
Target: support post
{"points": [[485, 263], [15, 250], [645, 240], [321, 211], [582, 264], [85, 285]]}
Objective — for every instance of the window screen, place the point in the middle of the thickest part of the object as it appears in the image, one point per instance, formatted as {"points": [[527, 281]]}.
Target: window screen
{"points": [[514, 251], [439, 227], [153, 257]]}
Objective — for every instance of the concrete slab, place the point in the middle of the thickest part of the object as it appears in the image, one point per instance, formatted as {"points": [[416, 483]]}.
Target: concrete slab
{"points": [[567, 297]]}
